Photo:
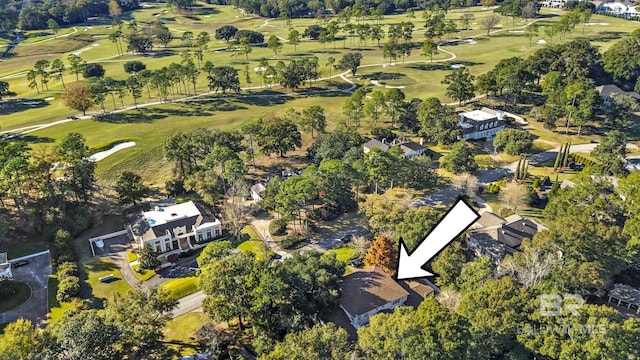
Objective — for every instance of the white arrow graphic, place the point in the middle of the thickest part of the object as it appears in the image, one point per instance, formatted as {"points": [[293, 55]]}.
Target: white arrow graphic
{"points": [[455, 221]]}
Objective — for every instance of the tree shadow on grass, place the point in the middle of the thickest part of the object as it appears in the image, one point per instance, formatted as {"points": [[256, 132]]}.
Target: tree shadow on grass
{"points": [[27, 138], [325, 51], [270, 100], [441, 65], [140, 116], [430, 66], [200, 10], [378, 75], [12, 106], [605, 36], [195, 108], [163, 53]]}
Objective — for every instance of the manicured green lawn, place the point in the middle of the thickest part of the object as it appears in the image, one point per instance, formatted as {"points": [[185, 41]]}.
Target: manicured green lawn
{"points": [[132, 256], [149, 127], [23, 292], [179, 333], [253, 243], [145, 275], [99, 267], [56, 308], [181, 287], [343, 253]]}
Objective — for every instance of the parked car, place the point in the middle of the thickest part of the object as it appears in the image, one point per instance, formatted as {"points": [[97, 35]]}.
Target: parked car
{"points": [[346, 238], [357, 263]]}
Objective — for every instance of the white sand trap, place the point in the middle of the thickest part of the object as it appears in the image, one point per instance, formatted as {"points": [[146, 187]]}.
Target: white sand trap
{"points": [[49, 98], [517, 31], [471, 41], [259, 68], [376, 83], [541, 41], [103, 154]]}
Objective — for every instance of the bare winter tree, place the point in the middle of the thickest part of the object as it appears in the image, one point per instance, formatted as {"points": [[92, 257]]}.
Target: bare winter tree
{"points": [[513, 195], [235, 211], [465, 184], [360, 244], [529, 267]]}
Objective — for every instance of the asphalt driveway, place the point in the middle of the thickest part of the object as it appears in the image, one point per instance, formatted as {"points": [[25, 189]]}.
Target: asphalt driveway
{"points": [[36, 275]]}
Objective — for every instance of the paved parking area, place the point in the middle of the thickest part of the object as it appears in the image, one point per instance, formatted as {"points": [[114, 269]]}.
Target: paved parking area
{"points": [[36, 275], [336, 240]]}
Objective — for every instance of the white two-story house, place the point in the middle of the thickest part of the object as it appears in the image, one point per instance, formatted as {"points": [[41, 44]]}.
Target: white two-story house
{"points": [[175, 228], [481, 124]]}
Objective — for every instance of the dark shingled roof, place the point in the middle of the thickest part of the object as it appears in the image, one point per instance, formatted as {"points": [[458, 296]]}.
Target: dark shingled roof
{"points": [[413, 146], [161, 230], [368, 289], [513, 233]]}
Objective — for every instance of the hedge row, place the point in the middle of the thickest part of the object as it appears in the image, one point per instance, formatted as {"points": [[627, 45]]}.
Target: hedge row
{"points": [[68, 282], [583, 160]]}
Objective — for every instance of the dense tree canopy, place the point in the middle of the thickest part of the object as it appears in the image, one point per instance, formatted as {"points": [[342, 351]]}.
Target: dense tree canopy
{"points": [[278, 136], [429, 332], [460, 159], [512, 141]]}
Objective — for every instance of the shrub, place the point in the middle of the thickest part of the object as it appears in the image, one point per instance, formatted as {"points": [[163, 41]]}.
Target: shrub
{"points": [[68, 288], [148, 258], [292, 241], [278, 227], [7, 287], [536, 184], [67, 269], [513, 141]]}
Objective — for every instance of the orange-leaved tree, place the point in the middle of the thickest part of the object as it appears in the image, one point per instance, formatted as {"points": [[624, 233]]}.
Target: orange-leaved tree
{"points": [[383, 253]]}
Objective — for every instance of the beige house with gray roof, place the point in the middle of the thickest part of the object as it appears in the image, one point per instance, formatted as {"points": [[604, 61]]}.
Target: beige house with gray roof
{"points": [[368, 292]]}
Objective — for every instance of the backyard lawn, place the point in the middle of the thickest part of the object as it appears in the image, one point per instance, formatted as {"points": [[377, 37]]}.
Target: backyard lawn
{"points": [[344, 253], [99, 267], [254, 244], [179, 333]]}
